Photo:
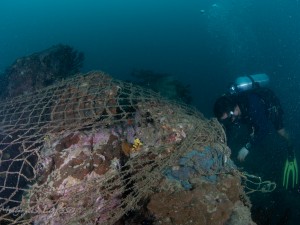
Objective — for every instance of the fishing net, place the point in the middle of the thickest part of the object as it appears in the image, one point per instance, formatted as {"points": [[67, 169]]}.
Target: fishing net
{"points": [[90, 149]]}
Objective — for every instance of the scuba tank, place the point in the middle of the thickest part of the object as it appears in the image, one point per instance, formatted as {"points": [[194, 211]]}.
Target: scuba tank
{"points": [[249, 82]]}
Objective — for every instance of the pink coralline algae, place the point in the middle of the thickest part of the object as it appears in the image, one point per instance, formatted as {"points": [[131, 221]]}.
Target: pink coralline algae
{"points": [[70, 166]]}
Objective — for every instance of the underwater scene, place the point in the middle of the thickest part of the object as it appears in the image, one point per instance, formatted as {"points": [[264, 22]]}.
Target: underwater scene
{"points": [[149, 112]]}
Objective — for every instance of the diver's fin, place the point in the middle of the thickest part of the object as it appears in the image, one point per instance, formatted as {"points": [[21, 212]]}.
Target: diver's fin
{"points": [[290, 171]]}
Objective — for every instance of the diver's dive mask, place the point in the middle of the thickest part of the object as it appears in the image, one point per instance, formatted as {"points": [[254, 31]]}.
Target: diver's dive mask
{"points": [[231, 119]]}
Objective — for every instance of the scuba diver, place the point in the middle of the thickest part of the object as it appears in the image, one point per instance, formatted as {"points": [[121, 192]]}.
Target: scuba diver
{"points": [[250, 102]]}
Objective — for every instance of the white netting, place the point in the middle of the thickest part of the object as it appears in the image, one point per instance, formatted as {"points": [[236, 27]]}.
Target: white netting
{"points": [[90, 149]]}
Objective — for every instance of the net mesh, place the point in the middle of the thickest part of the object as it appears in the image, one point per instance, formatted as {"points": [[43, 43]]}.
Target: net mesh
{"points": [[90, 149]]}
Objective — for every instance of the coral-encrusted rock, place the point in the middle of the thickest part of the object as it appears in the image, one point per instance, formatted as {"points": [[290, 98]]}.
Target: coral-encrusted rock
{"points": [[40, 69], [207, 204], [74, 166], [78, 154]]}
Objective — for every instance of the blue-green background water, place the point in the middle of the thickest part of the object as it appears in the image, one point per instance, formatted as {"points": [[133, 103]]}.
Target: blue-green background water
{"points": [[204, 43]]}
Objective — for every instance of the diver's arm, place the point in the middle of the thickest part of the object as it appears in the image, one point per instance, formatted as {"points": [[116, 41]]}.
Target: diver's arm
{"points": [[259, 123], [282, 132]]}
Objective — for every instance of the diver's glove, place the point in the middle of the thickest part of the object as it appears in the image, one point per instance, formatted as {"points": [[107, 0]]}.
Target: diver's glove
{"points": [[290, 169], [242, 154]]}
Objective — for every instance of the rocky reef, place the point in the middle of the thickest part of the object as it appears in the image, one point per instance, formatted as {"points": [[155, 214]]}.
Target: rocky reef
{"points": [[165, 84], [207, 204], [40, 69], [109, 152]]}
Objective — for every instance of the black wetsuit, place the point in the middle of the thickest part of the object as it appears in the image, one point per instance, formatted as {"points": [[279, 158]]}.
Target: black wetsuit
{"points": [[266, 158], [261, 117]]}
